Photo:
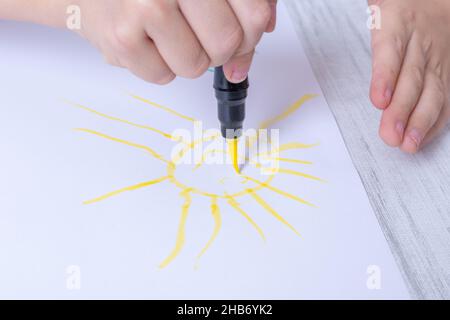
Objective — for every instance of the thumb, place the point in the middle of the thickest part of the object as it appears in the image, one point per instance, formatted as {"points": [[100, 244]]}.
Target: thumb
{"points": [[237, 68]]}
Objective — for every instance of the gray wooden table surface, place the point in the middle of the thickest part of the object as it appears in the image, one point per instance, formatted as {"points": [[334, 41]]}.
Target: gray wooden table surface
{"points": [[409, 194]]}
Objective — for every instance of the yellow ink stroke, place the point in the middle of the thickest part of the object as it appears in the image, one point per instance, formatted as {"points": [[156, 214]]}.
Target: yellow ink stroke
{"points": [[275, 214], [215, 211], [149, 150], [181, 234], [293, 160], [233, 152], [289, 172], [168, 110], [187, 192], [234, 204], [286, 113], [284, 147], [136, 125], [131, 188], [280, 192]]}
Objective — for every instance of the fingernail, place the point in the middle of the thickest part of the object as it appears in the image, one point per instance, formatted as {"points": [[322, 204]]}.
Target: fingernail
{"points": [[413, 140], [416, 136], [400, 128], [239, 76]]}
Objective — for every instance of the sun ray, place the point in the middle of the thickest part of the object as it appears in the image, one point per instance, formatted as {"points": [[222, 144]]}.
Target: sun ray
{"points": [[293, 161], [289, 172], [181, 236], [233, 152], [294, 146], [130, 188], [282, 148], [156, 105], [286, 113], [136, 125], [280, 192], [215, 211], [152, 152], [234, 204], [272, 211]]}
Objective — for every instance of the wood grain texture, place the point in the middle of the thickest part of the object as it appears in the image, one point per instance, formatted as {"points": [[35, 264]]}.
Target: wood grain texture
{"points": [[409, 194]]}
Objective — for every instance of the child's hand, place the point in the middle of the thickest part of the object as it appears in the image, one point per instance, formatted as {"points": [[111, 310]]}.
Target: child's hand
{"points": [[160, 39], [411, 70]]}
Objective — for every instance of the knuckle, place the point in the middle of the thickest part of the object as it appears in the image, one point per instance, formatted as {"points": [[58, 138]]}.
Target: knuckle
{"points": [[427, 45], [409, 15], [224, 49], [416, 74], [261, 16], [122, 39], [393, 46], [436, 67], [155, 11]]}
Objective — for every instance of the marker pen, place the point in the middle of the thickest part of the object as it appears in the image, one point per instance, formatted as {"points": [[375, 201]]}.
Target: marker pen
{"points": [[231, 110]]}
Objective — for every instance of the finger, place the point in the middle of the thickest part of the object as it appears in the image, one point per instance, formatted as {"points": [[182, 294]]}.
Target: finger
{"points": [[216, 27], [273, 18], [441, 125], [133, 49], [425, 115], [407, 93], [145, 62], [176, 42], [388, 50], [254, 17], [236, 70]]}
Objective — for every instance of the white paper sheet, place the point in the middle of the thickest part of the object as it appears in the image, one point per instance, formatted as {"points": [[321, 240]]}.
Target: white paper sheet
{"points": [[53, 246]]}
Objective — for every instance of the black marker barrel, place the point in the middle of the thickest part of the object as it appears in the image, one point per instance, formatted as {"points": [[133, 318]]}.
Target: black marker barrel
{"points": [[231, 104]]}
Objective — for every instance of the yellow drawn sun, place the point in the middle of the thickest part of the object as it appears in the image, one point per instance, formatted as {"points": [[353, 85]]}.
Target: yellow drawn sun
{"points": [[248, 186]]}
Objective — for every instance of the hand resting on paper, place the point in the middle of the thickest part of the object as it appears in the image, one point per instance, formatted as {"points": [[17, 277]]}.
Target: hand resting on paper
{"points": [[411, 71]]}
